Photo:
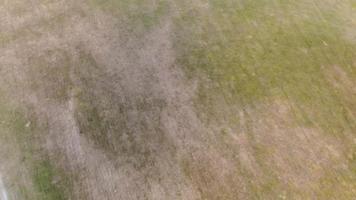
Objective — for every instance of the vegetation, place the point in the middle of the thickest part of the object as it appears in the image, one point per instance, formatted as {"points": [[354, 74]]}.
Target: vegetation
{"points": [[258, 49], [46, 184], [136, 15], [20, 131], [252, 53], [250, 60]]}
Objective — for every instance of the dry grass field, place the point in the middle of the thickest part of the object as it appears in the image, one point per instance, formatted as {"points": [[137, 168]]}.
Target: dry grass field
{"points": [[177, 99]]}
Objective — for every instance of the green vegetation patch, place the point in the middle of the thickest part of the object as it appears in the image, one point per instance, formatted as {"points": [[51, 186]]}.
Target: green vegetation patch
{"points": [[248, 53], [20, 130], [48, 181], [253, 50]]}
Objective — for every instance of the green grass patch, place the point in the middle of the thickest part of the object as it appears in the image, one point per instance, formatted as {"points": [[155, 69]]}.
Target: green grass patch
{"points": [[250, 52], [21, 131], [45, 181], [254, 50]]}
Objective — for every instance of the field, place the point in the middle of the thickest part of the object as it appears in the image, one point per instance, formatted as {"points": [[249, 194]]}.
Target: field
{"points": [[177, 99]]}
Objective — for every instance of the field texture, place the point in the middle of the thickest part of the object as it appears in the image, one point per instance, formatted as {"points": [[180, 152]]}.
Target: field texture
{"points": [[177, 99]]}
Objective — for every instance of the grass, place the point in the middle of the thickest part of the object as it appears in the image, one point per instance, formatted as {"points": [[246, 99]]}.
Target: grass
{"points": [[102, 114], [26, 138], [50, 75], [245, 53], [137, 15], [44, 179], [255, 51]]}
